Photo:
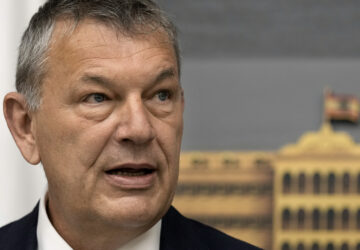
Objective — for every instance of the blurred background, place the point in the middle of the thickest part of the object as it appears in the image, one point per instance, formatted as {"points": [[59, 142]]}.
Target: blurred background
{"points": [[254, 73]]}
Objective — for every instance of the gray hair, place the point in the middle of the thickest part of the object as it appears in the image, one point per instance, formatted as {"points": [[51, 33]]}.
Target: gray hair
{"points": [[130, 17]]}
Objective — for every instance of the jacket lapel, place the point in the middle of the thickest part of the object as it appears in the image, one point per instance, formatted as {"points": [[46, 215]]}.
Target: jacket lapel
{"points": [[21, 234], [177, 233]]}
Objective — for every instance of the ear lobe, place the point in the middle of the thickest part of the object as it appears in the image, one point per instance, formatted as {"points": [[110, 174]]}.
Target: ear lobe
{"points": [[19, 121]]}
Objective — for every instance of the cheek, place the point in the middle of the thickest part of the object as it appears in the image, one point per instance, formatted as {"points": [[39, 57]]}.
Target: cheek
{"points": [[71, 143], [87, 142], [169, 136]]}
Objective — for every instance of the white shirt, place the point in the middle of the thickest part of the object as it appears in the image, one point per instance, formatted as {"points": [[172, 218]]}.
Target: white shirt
{"points": [[49, 239]]}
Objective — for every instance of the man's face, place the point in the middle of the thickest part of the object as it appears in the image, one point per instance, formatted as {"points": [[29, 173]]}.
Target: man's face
{"points": [[109, 126]]}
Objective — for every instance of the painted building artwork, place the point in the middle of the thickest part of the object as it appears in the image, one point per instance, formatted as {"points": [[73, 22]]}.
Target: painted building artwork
{"points": [[306, 196]]}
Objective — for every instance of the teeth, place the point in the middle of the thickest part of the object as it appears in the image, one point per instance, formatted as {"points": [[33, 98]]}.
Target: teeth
{"points": [[131, 172]]}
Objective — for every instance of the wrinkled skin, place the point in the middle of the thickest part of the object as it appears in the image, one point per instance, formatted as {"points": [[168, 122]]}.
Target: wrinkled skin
{"points": [[107, 100]]}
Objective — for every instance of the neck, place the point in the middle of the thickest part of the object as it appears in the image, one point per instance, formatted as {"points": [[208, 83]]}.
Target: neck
{"points": [[90, 234]]}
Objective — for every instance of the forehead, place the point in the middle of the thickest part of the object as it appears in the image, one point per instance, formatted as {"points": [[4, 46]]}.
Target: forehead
{"points": [[70, 38]]}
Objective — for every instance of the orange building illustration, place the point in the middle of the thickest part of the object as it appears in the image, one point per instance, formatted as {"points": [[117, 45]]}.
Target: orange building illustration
{"points": [[306, 196]]}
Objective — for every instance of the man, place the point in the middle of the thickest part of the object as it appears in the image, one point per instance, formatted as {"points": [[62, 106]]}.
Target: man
{"points": [[100, 105]]}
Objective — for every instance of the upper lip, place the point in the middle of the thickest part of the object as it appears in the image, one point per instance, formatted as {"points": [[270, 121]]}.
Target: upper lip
{"points": [[132, 166]]}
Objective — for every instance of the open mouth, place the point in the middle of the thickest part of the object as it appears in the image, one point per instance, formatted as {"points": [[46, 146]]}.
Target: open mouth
{"points": [[132, 176], [130, 172]]}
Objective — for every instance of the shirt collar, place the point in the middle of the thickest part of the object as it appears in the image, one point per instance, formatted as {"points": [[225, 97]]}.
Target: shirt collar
{"points": [[49, 239]]}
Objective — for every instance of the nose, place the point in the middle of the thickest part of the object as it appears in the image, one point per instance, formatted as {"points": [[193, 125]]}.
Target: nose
{"points": [[135, 125]]}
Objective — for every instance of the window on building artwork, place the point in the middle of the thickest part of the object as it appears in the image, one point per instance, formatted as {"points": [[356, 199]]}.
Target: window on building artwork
{"points": [[230, 163], [330, 246], [358, 219], [330, 219], [199, 163], [344, 246], [316, 219], [301, 219], [346, 183], [302, 181], [285, 246], [331, 183], [262, 163], [345, 219], [287, 183], [315, 246], [300, 246], [316, 183], [286, 217]]}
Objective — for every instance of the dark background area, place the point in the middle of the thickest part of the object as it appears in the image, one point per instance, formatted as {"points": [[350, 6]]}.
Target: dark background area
{"points": [[267, 28], [254, 71]]}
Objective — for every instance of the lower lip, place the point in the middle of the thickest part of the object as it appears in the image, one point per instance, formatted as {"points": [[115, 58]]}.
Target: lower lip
{"points": [[132, 182]]}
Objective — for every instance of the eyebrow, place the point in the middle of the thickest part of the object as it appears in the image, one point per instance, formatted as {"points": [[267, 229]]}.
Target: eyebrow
{"points": [[167, 73], [102, 80], [97, 79]]}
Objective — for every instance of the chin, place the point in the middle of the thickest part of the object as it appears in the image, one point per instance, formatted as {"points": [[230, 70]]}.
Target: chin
{"points": [[132, 212]]}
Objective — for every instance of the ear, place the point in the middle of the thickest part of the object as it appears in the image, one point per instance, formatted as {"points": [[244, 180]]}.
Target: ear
{"points": [[19, 121]]}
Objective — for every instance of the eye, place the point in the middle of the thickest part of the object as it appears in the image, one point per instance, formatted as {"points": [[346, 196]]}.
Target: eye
{"points": [[163, 95], [96, 98]]}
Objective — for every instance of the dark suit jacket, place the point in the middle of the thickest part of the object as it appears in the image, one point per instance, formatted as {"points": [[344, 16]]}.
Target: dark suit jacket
{"points": [[177, 233]]}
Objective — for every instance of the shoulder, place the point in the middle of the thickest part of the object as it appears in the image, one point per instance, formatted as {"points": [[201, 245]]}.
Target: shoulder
{"points": [[20, 234], [191, 234]]}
